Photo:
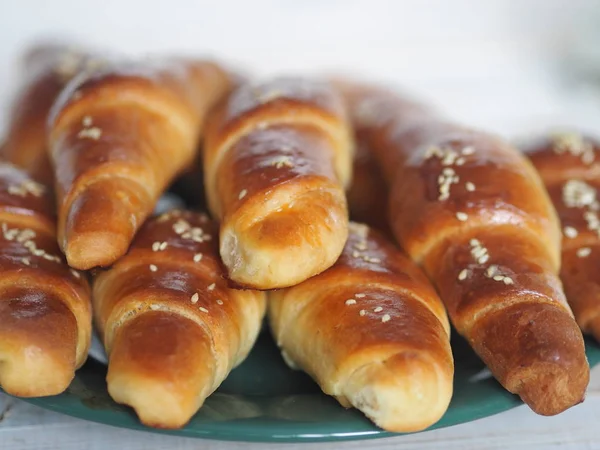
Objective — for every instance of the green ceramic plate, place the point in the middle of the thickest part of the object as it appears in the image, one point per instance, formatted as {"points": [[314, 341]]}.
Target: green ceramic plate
{"points": [[263, 400]]}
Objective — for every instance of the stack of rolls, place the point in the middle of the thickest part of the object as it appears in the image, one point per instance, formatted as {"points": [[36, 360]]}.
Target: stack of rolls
{"points": [[309, 182]]}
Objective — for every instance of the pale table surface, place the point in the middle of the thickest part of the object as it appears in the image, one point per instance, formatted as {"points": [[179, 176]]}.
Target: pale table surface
{"points": [[27, 427]]}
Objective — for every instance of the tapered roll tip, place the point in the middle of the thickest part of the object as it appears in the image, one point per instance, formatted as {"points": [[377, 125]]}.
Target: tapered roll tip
{"points": [[162, 366], [98, 226], [406, 393], [38, 343], [549, 389], [155, 402], [85, 251], [288, 245]]}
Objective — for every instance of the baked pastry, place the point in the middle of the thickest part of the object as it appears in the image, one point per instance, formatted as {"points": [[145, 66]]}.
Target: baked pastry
{"points": [[568, 165], [474, 213], [277, 157], [45, 308], [172, 327], [372, 332], [118, 137], [46, 69]]}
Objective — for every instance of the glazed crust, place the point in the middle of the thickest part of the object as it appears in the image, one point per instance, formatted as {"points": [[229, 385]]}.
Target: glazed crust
{"points": [[45, 307], [276, 160], [569, 166], [474, 213], [118, 137], [46, 69], [372, 332], [172, 327]]}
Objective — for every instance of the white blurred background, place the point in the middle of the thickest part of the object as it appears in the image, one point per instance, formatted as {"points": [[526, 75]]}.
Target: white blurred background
{"points": [[512, 66]]}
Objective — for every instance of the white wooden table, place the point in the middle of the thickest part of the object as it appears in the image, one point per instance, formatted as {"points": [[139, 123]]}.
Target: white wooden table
{"points": [[27, 427]]}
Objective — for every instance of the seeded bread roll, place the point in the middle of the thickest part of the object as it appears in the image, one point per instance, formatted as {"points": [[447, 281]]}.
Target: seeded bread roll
{"points": [[171, 326], [569, 165], [118, 137], [45, 310], [372, 332], [46, 70], [474, 213], [276, 160]]}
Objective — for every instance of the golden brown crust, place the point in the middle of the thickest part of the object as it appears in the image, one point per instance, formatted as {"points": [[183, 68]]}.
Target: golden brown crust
{"points": [[46, 70], [569, 165], [372, 332], [45, 307], [118, 138], [473, 211], [276, 158], [171, 282], [367, 195]]}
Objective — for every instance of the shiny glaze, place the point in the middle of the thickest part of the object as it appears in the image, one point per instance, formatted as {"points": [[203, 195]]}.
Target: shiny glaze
{"points": [[45, 75], [170, 321], [118, 136], [265, 159], [255, 108], [578, 273], [374, 305], [368, 193], [488, 212], [276, 158], [44, 304]]}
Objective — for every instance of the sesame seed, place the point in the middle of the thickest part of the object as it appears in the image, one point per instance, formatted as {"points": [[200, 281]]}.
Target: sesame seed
{"points": [[468, 150], [361, 245], [282, 161], [498, 277], [579, 194], [360, 295], [460, 161], [93, 133], [27, 187], [469, 186], [153, 268], [219, 301], [155, 246], [350, 301], [203, 309], [491, 271], [483, 259], [508, 280], [242, 194], [378, 309], [163, 246], [584, 252], [154, 307], [198, 257], [462, 216], [463, 274], [474, 242], [371, 260], [26, 261], [211, 287], [75, 274], [87, 121], [355, 254], [574, 144], [385, 318], [195, 298], [362, 312], [181, 226], [570, 232]]}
